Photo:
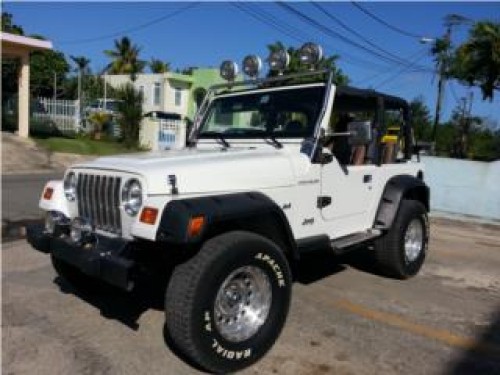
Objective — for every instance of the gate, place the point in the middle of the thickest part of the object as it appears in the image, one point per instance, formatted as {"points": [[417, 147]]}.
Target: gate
{"points": [[60, 115]]}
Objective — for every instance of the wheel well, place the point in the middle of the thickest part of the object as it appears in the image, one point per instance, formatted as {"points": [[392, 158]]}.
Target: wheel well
{"points": [[269, 226], [418, 193]]}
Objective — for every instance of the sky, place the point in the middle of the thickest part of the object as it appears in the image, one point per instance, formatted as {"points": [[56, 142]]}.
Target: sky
{"points": [[206, 33]]}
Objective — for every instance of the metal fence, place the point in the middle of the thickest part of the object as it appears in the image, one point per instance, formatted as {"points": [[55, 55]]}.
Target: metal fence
{"points": [[57, 115], [171, 135]]}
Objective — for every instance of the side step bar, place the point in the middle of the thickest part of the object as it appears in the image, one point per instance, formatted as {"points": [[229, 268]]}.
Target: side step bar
{"points": [[340, 245]]}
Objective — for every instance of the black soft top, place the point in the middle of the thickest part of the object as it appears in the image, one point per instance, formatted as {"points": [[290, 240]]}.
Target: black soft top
{"points": [[390, 102]]}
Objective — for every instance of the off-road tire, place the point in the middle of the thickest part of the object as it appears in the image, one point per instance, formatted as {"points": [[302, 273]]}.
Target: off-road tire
{"points": [[80, 281], [192, 292], [390, 249]]}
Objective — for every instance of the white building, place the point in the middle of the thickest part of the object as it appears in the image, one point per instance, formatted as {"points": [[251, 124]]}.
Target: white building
{"points": [[167, 92]]}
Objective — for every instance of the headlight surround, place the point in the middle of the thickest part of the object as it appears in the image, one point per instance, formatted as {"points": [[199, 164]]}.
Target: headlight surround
{"points": [[70, 182], [132, 196]]}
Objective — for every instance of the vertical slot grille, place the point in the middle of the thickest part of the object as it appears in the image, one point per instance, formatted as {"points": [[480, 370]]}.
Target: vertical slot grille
{"points": [[98, 199]]}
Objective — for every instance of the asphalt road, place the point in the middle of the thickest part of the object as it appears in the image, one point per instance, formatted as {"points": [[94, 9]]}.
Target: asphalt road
{"points": [[20, 196], [343, 319]]}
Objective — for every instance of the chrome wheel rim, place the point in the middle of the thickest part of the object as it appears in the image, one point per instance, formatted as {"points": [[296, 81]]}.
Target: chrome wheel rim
{"points": [[242, 303], [414, 240]]}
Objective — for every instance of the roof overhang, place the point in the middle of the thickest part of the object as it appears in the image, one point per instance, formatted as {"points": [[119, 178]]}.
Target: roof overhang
{"points": [[18, 45]]}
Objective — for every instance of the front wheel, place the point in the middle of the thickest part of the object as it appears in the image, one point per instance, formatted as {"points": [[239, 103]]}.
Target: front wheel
{"points": [[401, 251], [227, 305]]}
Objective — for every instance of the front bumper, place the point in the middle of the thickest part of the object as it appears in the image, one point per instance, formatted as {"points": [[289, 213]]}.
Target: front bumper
{"points": [[104, 259]]}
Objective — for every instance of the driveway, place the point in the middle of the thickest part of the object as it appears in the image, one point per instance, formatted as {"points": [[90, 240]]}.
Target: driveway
{"points": [[343, 319]]}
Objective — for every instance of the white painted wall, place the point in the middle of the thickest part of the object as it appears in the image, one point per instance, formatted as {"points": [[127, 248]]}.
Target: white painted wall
{"points": [[168, 86], [464, 187]]}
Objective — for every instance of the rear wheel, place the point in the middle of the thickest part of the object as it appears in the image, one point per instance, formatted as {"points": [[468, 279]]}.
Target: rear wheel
{"points": [[401, 251], [226, 306]]}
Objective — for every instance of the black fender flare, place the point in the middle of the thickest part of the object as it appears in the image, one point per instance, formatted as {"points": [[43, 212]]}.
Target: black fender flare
{"points": [[252, 211], [397, 188]]}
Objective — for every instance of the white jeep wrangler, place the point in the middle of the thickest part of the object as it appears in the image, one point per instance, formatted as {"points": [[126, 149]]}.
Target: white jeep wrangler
{"points": [[275, 167]]}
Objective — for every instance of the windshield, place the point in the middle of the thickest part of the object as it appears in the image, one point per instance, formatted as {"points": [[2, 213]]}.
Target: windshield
{"points": [[286, 113]]}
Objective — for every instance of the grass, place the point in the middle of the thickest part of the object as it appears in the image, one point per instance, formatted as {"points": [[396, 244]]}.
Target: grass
{"points": [[83, 146]]}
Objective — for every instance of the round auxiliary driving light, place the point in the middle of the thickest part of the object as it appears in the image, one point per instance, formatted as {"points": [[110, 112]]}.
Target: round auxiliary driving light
{"points": [[252, 64], [70, 186], [132, 197], [228, 70], [310, 54], [80, 229], [278, 60], [52, 218]]}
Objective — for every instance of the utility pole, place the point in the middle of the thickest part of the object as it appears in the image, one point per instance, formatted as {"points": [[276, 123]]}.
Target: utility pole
{"points": [[450, 21], [55, 85]]}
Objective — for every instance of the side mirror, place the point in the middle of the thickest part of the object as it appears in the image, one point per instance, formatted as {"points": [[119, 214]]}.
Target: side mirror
{"points": [[360, 133]]}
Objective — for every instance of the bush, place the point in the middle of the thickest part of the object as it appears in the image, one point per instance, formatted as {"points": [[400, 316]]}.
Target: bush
{"points": [[129, 114]]}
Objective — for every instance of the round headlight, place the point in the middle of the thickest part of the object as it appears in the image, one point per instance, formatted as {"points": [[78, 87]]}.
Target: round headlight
{"points": [[228, 70], [252, 64], [279, 60], [310, 53], [79, 229], [70, 186], [132, 197]]}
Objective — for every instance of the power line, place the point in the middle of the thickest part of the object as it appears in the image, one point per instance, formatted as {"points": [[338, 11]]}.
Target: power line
{"points": [[299, 35], [132, 29], [417, 55], [386, 24], [326, 30], [351, 30], [405, 69]]}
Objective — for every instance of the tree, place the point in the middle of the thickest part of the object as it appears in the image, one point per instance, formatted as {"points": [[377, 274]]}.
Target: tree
{"points": [[8, 26], [129, 114], [421, 119], [158, 66], [45, 65], [296, 67], [82, 64], [476, 62], [125, 58]]}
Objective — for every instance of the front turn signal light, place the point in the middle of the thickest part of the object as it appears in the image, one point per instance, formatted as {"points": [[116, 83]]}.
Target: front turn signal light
{"points": [[47, 194], [149, 215], [196, 225]]}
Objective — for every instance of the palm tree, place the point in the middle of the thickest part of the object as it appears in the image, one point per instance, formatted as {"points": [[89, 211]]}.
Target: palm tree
{"points": [[477, 61], [82, 64], [125, 58], [158, 66]]}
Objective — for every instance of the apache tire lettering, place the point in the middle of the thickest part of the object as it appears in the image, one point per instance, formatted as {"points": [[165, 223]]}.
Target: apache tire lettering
{"points": [[274, 266], [230, 354]]}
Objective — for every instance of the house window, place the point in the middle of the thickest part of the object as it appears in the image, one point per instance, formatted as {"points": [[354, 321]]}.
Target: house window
{"points": [[141, 90], [156, 93], [178, 97]]}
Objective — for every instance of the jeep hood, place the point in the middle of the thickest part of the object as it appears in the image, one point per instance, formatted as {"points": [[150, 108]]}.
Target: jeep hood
{"points": [[202, 171]]}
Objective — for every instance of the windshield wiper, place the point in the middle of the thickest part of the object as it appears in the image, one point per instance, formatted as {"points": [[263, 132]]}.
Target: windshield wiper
{"points": [[222, 140], [219, 137], [270, 139]]}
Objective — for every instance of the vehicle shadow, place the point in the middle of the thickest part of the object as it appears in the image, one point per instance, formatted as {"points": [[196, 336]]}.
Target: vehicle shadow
{"points": [[115, 304], [484, 355], [149, 291], [321, 263]]}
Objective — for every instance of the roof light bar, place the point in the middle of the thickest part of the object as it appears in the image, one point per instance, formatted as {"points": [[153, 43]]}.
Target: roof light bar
{"points": [[252, 64], [229, 70]]}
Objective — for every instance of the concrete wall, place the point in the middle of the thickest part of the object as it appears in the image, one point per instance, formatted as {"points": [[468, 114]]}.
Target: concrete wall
{"points": [[464, 187]]}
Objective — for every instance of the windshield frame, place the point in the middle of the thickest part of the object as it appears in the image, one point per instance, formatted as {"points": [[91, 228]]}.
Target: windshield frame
{"points": [[260, 84], [258, 133]]}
